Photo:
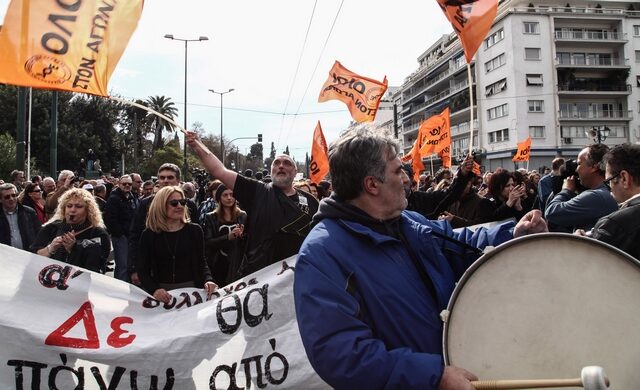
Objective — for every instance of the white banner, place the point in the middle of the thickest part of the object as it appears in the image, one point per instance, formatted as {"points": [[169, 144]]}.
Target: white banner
{"points": [[62, 327]]}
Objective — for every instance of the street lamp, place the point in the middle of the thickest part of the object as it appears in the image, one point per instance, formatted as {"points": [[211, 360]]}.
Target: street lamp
{"points": [[186, 41], [221, 133], [598, 133]]}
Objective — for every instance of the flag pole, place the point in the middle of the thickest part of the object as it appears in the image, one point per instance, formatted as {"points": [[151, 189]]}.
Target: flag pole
{"points": [[431, 158], [470, 107]]}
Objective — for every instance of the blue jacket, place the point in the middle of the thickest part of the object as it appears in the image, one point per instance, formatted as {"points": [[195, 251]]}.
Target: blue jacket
{"points": [[366, 317], [582, 211]]}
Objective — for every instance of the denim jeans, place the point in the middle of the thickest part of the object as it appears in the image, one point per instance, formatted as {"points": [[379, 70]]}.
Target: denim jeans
{"points": [[120, 252]]}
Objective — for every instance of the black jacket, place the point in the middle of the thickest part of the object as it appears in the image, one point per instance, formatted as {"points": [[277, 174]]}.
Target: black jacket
{"points": [[27, 222], [138, 224], [621, 228], [431, 204], [118, 213]]}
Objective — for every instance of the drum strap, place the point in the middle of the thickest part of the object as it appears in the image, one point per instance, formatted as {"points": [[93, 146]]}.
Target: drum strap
{"points": [[426, 279]]}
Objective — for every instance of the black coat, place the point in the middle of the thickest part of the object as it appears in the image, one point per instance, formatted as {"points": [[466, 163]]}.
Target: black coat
{"points": [[27, 222], [621, 228], [118, 213]]}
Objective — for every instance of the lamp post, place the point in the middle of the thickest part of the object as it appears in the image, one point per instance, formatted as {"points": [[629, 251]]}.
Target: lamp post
{"points": [[221, 133], [186, 41], [599, 133]]}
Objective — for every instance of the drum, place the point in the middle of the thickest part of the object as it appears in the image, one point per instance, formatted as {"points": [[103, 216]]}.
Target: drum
{"points": [[544, 306]]}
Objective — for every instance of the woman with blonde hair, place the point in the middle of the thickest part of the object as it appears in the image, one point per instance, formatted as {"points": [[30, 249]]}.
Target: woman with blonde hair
{"points": [[75, 234], [171, 251]]}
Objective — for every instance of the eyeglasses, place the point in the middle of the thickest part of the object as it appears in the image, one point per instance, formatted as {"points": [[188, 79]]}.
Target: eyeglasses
{"points": [[607, 181], [127, 184], [10, 196], [175, 202]]}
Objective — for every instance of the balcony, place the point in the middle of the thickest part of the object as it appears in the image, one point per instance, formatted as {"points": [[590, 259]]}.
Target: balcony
{"points": [[440, 78], [439, 96], [585, 35], [591, 87], [614, 115], [591, 63]]}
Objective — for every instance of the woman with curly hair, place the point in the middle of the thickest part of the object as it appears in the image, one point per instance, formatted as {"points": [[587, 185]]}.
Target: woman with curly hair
{"points": [[171, 251], [32, 196], [75, 234]]}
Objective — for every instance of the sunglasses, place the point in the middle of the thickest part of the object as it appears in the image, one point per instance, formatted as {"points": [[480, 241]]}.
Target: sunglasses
{"points": [[175, 202], [126, 184], [608, 181], [36, 191]]}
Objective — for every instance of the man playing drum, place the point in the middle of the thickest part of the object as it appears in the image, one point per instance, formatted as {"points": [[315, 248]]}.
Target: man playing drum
{"points": [[372, 278]]}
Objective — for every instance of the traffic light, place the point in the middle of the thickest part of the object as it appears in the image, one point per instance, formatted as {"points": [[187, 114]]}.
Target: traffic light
{"points": [[259, 137]]}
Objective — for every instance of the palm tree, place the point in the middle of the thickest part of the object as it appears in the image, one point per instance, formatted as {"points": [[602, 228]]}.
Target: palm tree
{"points": [[164, 106]]}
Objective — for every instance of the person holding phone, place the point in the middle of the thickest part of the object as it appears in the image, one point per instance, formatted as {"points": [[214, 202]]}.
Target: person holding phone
{"points": [[224, 236]]}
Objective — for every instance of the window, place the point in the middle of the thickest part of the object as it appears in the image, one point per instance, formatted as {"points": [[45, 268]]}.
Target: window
{"points": [[496, 87], [498, 136], [497, 112], [536, 131], [495, 63], [536, 105], [637, 55], [636, 30], [494, 38], [579, 59], [531, 28], [534, 80], [531, 53]]}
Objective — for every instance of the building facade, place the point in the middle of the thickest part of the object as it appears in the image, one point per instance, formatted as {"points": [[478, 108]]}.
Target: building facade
{"points": [[561, 74]]}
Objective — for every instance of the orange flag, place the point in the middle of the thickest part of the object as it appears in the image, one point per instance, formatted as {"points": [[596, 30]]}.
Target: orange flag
{"points": [[319, 164], [416, 160], [445, 156], [435, 134], [524, 148], [471, 19], [65, 45], [361, 94]]}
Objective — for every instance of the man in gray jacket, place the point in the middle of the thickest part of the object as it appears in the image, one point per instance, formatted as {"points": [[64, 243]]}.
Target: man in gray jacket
{"points": [[569, 210], [19, 224]]}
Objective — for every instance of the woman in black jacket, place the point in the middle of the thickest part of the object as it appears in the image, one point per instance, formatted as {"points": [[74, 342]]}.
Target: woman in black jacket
{"points": [[224, 237], [505, 196], [171, 250]]}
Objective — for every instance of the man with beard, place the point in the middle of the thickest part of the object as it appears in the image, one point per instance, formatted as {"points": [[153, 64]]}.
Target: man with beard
{"points": [[279, 216]]}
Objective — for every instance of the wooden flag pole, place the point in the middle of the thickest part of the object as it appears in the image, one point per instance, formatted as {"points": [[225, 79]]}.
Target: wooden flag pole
{"points": [[470, 107]]}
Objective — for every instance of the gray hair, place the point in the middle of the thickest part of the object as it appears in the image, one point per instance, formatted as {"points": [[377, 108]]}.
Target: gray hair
{"points": [[64, 174], [100, 188], [361, 151], [8, 186]]}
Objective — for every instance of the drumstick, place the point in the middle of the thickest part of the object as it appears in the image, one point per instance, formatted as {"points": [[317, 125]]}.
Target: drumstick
{"points": [[529, 383]]}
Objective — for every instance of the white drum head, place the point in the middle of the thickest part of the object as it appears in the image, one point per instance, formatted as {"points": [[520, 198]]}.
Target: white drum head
{"points": [[544, 306]]}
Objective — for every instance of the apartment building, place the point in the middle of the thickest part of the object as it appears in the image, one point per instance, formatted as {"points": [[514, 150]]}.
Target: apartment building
{"points": [[563, 74]]}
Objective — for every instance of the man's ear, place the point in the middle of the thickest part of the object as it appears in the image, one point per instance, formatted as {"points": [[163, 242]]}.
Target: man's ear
{"points": [[625, 179], [370, 185]]}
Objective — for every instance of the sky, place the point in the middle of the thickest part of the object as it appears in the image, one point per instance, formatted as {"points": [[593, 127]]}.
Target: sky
{"points": [[255, 48]]}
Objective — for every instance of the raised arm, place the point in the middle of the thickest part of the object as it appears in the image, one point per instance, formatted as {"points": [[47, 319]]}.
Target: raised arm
{"points": [[211, 163]]}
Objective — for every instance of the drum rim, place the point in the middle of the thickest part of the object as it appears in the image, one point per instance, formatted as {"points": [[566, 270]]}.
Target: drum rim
{"points": [[486, 256]]}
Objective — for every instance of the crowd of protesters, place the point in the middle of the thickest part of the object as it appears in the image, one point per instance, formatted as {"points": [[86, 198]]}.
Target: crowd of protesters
{"points": [[162, 235]]}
